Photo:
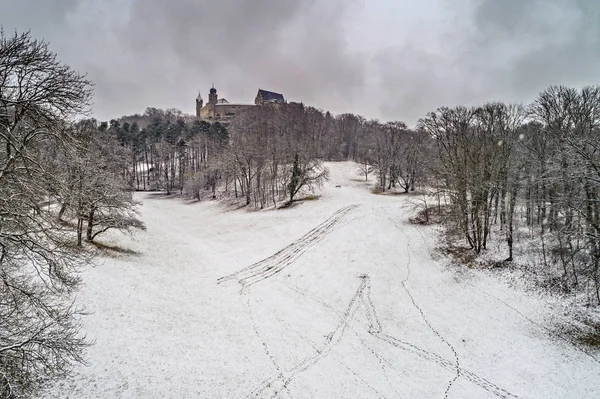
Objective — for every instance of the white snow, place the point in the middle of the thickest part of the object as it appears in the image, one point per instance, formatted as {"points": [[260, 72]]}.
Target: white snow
{"points": [[346, 301]]}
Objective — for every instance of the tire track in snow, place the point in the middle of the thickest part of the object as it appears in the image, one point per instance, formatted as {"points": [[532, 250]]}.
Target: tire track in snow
{"points": [[272, 386], [262, 340], [314, 298], [314, 346], [375, 329], [381, 360], [272, 265], [451, 366], [275, 263], [457, 368]]}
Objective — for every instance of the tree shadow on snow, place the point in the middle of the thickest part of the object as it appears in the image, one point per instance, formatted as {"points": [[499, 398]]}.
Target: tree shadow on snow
{"points": [[113, 250], [298, 202], [163, 195]]}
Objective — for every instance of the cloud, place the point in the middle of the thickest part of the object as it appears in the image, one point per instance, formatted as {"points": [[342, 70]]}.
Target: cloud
{"points": [[294, 47], [390, 59], [554, 41], [507, 50], [160, 53]]}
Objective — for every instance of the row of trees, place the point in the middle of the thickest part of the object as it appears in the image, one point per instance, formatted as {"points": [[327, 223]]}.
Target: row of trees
{"points": [[274, 153], [266, 154], [254, 156], [503, 167], [165, 147], [535, 168], [397, 154], [60, 180]]}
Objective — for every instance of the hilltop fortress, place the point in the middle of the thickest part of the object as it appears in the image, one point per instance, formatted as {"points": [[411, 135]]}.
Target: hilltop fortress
{"points": [[219, 109]]}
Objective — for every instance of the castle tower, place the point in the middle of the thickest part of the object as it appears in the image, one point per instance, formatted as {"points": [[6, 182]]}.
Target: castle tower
{"points": [[199, 104], [212, 97]]}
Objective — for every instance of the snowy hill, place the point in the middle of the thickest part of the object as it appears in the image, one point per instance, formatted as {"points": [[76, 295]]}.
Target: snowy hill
{"points": [[338, 297]]}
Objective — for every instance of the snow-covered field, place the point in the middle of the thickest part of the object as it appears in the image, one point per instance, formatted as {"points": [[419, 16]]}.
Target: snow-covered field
{"points": [[334, 298]]}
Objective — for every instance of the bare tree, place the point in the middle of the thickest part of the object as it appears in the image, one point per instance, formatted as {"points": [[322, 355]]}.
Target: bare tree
{"points": [[96, 193], [39, 333], [452, 129], [387, 149], [306, 173], [365, 165]]}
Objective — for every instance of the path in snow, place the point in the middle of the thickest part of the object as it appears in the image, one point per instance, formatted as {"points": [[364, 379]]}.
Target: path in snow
{"points": [[335, 298]]}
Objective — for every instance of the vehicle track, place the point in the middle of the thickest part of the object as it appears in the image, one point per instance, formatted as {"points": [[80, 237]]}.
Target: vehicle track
{"points": [[314, 345], [272, 386], [457, 368], [451, 366], [262, 339], [275, 263], [375, 329], [550, 332], [381, 360]]}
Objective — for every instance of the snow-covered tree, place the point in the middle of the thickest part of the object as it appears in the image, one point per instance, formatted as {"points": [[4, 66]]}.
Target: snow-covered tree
{"points": [[39, 328]]}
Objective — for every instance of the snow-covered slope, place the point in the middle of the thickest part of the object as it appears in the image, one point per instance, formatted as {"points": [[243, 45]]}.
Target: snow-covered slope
{"points": [[334, 298]]}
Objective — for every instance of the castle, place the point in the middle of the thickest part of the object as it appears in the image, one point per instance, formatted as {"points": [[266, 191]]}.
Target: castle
{"points": [[217, 109]]}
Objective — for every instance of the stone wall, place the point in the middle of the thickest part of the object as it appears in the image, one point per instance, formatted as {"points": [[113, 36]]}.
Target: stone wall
{"points": [[207, 112], [224, 110], [199, 105], [217, 112]]}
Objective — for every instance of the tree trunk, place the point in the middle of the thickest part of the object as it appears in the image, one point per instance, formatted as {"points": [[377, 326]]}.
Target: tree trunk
{"points": [[63, 208], [167, 185], [248, 194], [90, 225], [79, 231], [510, 218], [136, 176]]}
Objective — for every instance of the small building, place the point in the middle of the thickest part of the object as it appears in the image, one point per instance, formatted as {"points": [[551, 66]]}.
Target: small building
{"points": [[265, 96]]}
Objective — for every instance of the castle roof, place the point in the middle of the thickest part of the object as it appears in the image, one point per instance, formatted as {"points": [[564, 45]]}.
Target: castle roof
{"points": [[270, 95]]}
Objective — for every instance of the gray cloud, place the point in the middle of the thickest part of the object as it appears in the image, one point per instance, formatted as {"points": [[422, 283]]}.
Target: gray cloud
{"points": [[507, 50], [43, 22], [561, 39], [391, 59], [40, 14], [160, 53], [294, 47]]}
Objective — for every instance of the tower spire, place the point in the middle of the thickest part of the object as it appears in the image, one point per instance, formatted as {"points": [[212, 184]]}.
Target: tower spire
{"points": [[199, 103], [212, 96]]}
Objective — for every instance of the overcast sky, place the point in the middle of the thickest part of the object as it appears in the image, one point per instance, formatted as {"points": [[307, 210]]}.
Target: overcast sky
{"points": [[386, 59]]}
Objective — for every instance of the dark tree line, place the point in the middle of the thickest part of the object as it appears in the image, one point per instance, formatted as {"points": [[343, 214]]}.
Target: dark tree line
{"points": [[265, 155], [166, 147]]}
